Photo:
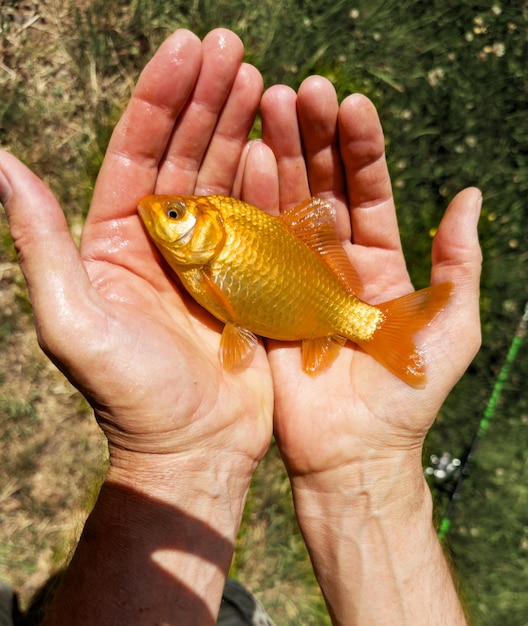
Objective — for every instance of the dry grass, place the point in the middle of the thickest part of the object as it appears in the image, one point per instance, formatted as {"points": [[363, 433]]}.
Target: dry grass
{"points": [[46, 428]]}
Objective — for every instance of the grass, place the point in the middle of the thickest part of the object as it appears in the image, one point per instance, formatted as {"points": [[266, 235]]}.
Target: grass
{"points": [[44, 491], [281, 574], [450, 84]]}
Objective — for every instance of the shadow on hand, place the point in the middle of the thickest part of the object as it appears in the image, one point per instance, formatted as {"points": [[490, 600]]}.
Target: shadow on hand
{"points": [[113, 577]]}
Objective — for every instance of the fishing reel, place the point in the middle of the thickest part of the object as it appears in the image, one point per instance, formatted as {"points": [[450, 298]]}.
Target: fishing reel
{"points": [[443, 469]]}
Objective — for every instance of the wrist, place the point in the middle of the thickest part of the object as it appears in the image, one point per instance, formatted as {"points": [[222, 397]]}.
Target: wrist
{"points": [[390, 484], [158, 544], [371, 539], [349, 512], [202, 483]]}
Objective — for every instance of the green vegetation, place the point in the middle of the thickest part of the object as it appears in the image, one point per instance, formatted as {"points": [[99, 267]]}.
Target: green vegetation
{"points": [[449, 80]]}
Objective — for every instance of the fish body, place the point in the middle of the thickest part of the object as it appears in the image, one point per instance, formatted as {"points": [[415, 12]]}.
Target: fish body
{"points": [[285, 278]]}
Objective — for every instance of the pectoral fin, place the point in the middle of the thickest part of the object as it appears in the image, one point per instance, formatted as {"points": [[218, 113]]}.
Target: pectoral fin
{"points": [[318, 354], [237, 346], [215, 294]]}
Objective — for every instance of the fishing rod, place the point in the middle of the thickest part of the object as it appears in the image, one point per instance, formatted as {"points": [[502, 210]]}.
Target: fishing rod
{"points": [[447, 464]]}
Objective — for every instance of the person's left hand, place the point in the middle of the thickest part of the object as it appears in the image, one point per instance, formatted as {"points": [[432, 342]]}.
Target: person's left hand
{"points": [[357, 409]]}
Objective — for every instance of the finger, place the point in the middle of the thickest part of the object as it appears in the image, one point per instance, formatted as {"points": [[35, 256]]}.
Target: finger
{"points": [[456, 251], [280, 131], [318, 108], [368, 183], [258, 180], [49, 259], [222, 58], [220, 163], [457, 258], [140, 139]]}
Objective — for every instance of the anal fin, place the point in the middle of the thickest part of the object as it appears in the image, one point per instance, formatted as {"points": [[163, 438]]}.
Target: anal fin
{"points": [[237, 346], [319, 353]]}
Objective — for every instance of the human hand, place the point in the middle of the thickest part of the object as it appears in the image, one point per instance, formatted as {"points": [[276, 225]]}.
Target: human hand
{"points": [[358, 411], [351, 438], [184, 435], [140, 350]]}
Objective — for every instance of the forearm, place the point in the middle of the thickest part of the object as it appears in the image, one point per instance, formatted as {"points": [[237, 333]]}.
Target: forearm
{"points": [[374, 549], [154, 552]]}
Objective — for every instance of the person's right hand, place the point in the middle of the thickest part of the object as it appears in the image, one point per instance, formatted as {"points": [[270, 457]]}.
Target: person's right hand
{"points": [[143, 353]]}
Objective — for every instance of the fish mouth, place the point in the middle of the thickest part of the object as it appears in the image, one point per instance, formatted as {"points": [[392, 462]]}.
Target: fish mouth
{"points": [[145, 214], [141, 210]]}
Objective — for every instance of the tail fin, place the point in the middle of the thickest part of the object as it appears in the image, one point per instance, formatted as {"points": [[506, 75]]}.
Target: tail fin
{"points": [[392, 344]]}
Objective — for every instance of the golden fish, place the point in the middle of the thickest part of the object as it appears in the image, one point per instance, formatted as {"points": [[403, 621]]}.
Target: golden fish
{"points": [[285, 278]]}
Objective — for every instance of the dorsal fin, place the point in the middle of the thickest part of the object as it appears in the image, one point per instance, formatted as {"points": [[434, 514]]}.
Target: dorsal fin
{"points": [[313, 222]]}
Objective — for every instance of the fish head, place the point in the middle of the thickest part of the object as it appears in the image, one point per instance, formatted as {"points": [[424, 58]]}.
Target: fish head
{"points": [[187, 229]]}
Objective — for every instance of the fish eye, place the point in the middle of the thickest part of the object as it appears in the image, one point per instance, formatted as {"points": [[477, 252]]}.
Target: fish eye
{"points": [[175, 210]]}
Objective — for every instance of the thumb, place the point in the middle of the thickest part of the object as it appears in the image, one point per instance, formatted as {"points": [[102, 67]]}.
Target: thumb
{"points": [[457, 258], [456, 251], [48, 256]]}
